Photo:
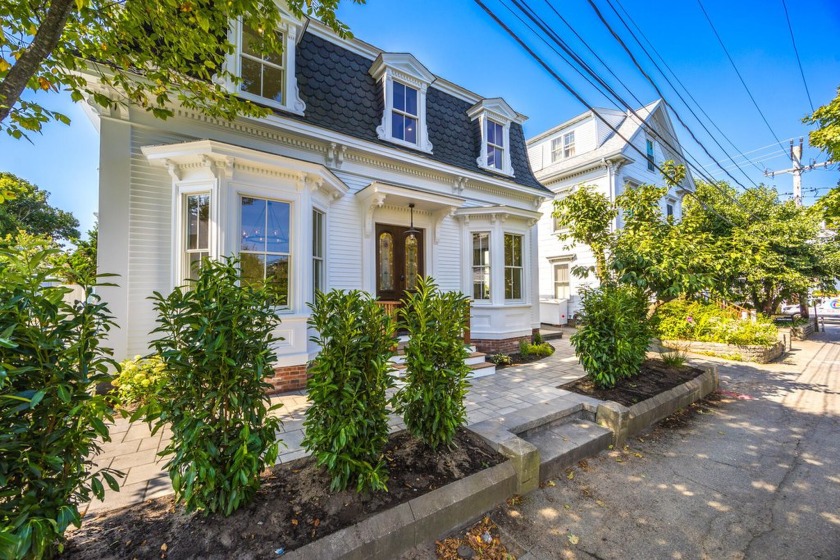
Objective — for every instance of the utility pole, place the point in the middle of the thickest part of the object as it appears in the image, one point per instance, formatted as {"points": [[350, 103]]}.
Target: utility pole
{"points": [[797, 169]]}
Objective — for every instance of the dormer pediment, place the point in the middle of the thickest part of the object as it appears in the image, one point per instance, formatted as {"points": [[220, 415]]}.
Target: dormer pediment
{"points": [[404, 66], [497, 109]]}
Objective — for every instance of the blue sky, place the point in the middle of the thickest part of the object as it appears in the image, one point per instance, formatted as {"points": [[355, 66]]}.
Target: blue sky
{"points": [[455, 39]]}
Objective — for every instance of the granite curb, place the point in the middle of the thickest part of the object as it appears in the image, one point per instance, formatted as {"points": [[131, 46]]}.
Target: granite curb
{"points": [[628, 421], [389, 533]]}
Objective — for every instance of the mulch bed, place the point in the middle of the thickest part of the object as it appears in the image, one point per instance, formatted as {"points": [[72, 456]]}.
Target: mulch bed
{"points": [[292, 508], [654, 378]]}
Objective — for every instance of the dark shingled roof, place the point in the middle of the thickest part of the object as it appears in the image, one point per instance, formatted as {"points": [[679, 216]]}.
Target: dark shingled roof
{"points": [[341, 96]]}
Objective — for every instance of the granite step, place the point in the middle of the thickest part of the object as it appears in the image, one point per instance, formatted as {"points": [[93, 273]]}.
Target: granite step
{"points": [[563, 444]]}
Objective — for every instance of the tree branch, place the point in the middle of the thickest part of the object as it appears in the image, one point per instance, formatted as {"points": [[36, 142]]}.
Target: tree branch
{"points": [[46, 39]]}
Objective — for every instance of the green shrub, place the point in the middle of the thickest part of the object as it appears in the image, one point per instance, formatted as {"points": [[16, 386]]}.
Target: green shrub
{"points": [[537, 338], [541, 349], [215, 339], [612, 342], [50, 363], [139, 381], [432, 400], [500, 359], [705, 322], [347, 423]]}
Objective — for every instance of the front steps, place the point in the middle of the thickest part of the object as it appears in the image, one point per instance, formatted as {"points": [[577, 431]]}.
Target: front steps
{"points": [[476, 360], [563, 445]]}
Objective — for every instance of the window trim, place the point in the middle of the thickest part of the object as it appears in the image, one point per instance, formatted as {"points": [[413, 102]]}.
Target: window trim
{"points": [[404, 69], [185, 269], [179, 193], [497, 147], [322, 259], [291, 94], [488, 266], [520, 267], [650, 154], [569, 146], [239, 195], [567, 283]]}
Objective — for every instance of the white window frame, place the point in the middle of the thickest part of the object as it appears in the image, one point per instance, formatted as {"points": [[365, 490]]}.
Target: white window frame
{"points": [[569, 144], [520, 267], [496, 146], [488, 266], [240, 194], [186, 272], [498, 111], [322, 258], [567, 284], [402, 68], [291, 95], [179, 271], [556, 149]]}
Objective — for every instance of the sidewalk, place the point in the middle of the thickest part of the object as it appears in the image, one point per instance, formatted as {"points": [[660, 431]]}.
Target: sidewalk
{"points": [[133, 449]]}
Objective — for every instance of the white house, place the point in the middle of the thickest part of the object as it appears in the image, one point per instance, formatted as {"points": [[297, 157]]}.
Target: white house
{"points": [[320, 195], [586, 151]]}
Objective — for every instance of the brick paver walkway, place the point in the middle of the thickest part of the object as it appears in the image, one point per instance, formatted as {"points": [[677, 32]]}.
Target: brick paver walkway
{"points": [[133, 450]]}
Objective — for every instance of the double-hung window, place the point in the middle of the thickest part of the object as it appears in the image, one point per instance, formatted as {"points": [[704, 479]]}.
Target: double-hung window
{"points": [[263, 75], [481, 265], [513, 266], [651, 161], [569, 144], [561, 281], [196, 234], [556, 149], [404, 114], [495, 144], [669, 210], [264, 248], [318, 267]]}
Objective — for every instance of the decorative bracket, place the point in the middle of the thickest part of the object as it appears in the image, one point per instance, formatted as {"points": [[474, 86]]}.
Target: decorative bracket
{"points": [[460, 185], [377, 201], [335, 155], [173, 168]]}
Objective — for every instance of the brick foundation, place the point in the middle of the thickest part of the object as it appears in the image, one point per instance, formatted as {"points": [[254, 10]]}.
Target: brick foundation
{"points": [[288, 378], [501, 346]]}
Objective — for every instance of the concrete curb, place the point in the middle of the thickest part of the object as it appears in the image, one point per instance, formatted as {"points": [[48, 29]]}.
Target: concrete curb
{"points": [[627, 421], [391, 532]]}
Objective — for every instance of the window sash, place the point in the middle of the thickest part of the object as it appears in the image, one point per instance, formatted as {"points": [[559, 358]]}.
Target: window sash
{"points": [[568, 144], [513, 266], [196, 246], [556, 149], [318, 259], [266, 257], [561, 281], [650, 155], [481, 265], [259, 89]]}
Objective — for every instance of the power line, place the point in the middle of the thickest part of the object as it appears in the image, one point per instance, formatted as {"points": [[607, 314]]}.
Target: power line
{"points": [[583, 102], [536, 19], [659, 92], [723, 46], [798, 60], [682, 85]]}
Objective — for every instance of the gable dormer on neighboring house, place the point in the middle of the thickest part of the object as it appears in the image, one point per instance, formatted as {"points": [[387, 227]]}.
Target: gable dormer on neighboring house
{"points": [[585, 150], [370, 170]]}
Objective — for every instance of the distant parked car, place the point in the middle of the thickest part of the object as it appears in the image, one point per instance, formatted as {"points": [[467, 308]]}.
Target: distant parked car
{"points": [[826, 307], [791, 310]]}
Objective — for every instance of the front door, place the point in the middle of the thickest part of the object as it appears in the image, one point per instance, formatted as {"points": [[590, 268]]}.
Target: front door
{"points": [[399, 260]]}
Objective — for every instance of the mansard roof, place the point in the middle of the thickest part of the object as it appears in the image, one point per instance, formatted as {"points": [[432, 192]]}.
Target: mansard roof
{"points": [[342, 96]]}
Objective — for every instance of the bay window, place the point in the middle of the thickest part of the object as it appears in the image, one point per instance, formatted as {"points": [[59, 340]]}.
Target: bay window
{"points": [[264, 248]]}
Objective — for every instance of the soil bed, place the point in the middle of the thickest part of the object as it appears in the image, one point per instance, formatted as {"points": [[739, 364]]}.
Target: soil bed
{"points": [[655, 377], [292, 508], [518, 358]]}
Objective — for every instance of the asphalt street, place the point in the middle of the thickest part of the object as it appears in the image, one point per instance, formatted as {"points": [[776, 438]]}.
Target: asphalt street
{"points": [[754, 474]]}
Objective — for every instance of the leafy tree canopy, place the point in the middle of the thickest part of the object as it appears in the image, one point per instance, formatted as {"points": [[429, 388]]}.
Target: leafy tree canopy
{"points": [[767, 250], [827, 134], [154, 54], [27, 208]]}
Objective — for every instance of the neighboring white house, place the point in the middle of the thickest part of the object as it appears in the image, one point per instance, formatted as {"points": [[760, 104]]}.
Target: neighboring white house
{"points": [[319, 195], [585, 151]]}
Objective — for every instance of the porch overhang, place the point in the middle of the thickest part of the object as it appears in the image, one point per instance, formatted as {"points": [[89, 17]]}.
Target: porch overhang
{"points": [[498, 212], [377, 194]]}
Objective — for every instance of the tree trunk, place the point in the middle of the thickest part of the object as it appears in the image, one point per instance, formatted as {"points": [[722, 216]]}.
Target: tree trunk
{"points": [[46, 39]]}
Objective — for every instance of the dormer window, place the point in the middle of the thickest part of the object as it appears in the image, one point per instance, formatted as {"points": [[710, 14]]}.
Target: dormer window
{"points": [[404, 115], [262, 75], [404, 82], [495, 145], [494, 118], [267, 78], [563, 147]]}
